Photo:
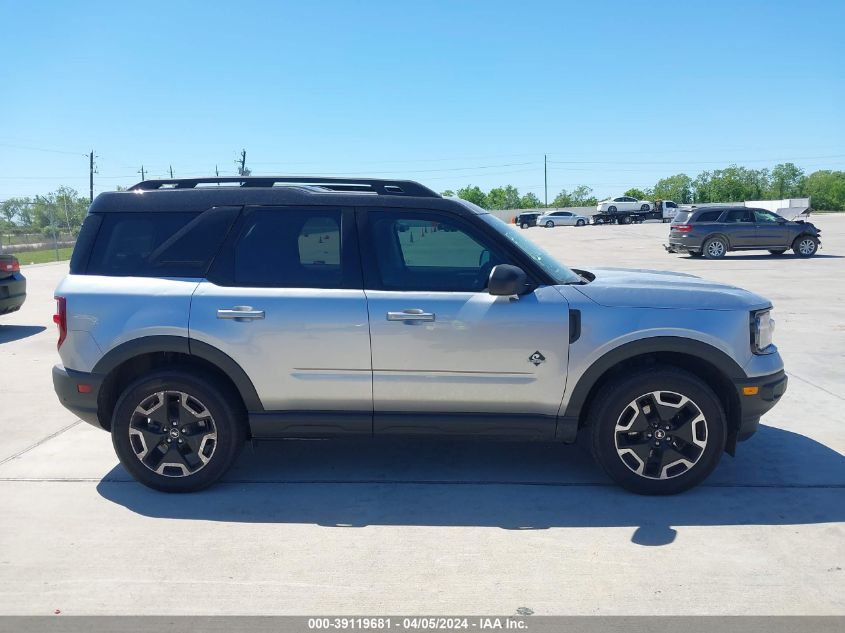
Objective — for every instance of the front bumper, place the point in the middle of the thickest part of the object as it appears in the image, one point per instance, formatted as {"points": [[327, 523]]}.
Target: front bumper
{"points": [[12, 293], [757, 395], [67, 383]]}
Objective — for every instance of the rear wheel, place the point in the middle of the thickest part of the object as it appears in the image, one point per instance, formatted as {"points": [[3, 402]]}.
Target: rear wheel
{"points": [[715, 248], [580, 223], [805, 245], [176, 431], [779, 251], [658, 431], [625, 220], [524, 225], [550, 224]]}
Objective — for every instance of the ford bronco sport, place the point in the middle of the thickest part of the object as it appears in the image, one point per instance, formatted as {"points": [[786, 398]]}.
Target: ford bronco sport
{"points": [[199, 313]]}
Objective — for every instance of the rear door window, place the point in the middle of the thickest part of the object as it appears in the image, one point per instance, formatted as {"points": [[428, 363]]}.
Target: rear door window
{"points": [[292, 248], [739, 216]]}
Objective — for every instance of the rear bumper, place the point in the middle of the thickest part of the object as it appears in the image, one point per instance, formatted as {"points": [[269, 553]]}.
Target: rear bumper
{"points": [[12, 293], [681, 245], [770, 389], [66, 382]]}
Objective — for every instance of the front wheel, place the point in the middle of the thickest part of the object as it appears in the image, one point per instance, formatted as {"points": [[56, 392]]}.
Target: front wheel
{"points": [[176, 431], [659, 431], [611, 209], [805, 245], [524, 225], [715, 248], [645, 207], [550, 224]]}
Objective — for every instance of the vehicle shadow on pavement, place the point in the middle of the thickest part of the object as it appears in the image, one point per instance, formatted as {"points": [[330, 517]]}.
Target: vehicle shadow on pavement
{"points": [[9, 333], [730, 257], [779, 478]]}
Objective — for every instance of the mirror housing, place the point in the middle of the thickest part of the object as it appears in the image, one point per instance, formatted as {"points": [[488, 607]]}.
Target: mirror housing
{"points": [[506, 281]]}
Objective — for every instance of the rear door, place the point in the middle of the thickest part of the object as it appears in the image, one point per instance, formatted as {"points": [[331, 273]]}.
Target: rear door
{"points": [[447, 356], [740, 228], [285, 301]]}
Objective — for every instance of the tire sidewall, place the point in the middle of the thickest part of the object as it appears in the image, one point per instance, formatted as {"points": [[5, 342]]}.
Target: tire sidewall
{"points": [[800, 239], [218, 399], [705, 248], [606, 412]]}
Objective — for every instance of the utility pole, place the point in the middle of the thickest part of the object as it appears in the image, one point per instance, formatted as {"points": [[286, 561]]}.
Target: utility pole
{"points": [[242, 170], [546, 178], [142, 172], [91, 176], [216, 171], [171, 172]]}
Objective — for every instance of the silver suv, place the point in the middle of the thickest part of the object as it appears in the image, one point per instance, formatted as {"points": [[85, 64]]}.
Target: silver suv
{"points": [[199, 313]]}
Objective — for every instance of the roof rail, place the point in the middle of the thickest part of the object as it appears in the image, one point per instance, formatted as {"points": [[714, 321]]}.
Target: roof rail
{"points": [[364, 185]]}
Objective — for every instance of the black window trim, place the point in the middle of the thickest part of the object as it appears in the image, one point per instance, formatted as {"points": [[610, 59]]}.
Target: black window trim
{"points": [[369, 265], [222, 272]]}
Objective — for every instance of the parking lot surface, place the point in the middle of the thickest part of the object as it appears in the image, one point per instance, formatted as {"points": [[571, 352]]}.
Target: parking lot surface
{"points": [[396, 526]]}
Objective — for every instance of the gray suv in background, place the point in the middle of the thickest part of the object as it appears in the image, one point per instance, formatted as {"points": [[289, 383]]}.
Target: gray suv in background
{"points": [[713, 231], [199, 313]]}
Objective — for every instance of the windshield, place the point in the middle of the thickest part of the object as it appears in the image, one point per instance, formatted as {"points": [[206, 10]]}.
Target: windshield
{"points": [[560, 273]]}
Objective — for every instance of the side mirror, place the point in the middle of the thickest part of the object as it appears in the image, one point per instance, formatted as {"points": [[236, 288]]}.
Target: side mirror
{"points": [[506, 281]]}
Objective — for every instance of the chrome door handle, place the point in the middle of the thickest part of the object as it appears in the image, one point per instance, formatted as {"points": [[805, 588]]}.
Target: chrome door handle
{"points": [[240, 312], [412, 314]]}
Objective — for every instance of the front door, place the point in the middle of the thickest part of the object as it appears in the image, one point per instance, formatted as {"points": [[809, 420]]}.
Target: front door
{"points": [[772, 231], [447, 356], [286, 303]]}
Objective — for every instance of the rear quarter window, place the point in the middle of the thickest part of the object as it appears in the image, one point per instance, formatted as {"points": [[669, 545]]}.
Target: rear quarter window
{"points": [[159, 244], [709, 216], [681, 217]]}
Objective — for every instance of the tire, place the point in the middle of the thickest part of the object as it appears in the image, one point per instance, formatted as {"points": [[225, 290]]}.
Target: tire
{"points": [[611, 209], [645, 208], [623, 435], [715, 248], [204, 415], [580, 222], [625, 220], [805, 245], [598, 220], [550, 225], [779, 251], [524, 225]]}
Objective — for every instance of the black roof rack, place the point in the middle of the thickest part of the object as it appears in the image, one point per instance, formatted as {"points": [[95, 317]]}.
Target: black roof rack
{"points": [[363, 185]]}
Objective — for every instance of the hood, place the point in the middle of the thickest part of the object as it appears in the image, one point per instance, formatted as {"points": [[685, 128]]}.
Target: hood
{"points": [[629, 288]]}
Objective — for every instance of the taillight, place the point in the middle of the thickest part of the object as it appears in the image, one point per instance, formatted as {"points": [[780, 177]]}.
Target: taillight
{"points": [[60, 319], [12, 266], [682, 228]]}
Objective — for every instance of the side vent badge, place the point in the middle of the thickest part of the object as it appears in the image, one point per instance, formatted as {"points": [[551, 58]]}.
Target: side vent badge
{"points": [[536, 358]]}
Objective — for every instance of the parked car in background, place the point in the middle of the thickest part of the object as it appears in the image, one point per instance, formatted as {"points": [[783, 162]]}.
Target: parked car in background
{"points": [[562, 218], [713, 231], [12, 284], [528, 219], [623, 203]]}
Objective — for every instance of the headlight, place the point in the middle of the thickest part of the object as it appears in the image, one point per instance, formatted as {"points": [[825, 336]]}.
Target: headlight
{"points": [[762, 331]]}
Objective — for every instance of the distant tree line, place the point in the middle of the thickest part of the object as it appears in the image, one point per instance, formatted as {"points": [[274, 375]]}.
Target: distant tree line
{"points": [[826, 189], [57, 212]]}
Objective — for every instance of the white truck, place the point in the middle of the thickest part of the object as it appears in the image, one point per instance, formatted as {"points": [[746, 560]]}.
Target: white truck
{"points": [[627, 210]]}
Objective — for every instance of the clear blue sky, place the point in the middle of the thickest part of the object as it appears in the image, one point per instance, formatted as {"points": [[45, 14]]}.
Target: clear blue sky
{"points": [[447, 93]]}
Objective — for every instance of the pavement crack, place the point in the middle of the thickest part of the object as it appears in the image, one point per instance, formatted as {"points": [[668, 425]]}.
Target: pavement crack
{"points": [[812, 384], [39, 442]]}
